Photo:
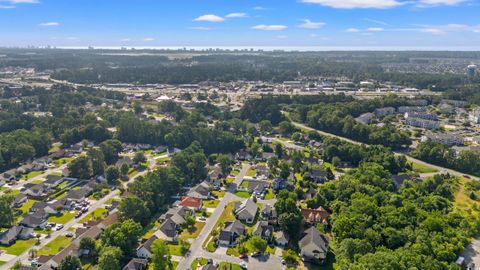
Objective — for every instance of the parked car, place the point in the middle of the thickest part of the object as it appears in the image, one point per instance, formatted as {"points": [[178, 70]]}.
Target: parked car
{"points": [[79, 214], [243, 256], [256, 254], [59, 227]]}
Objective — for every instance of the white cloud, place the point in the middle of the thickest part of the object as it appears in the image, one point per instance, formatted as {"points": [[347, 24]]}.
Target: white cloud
{"points": [[21, 1], [375, 29], [272, 27], [49, 24], [236, 15], [259, 8], [311, 25], [209, 18], [352, 30], [200, 28], [381, 4], [282, 37], [148, 39], [433, 31], [456, 26], [440, 2], [126, 40], [313, 35], [6, 6], [476, 29]]}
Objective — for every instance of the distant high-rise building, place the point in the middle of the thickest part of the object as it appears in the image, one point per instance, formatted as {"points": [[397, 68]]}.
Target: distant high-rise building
{"points": [[472, 70]]}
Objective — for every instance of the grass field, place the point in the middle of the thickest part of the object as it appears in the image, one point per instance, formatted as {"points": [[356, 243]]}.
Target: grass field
{"points": [[251, 172], [63, 218], [194, 232], [175, 249], [62, 161], [30, 175], [19, 247], [229, 266], [421, 168], [55, 246], [270, 195], [97, 213], [210, 203], [242, 194], [197, 261], [26, 206], [219, 193], [227, 215]]}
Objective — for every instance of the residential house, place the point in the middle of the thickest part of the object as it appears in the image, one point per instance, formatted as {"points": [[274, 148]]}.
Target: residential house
{"points": [[264, 230], [144, 251], [279, 183], [268, 213], [230, 233], [210, 266], [281, 239], [177, 214], [44, 207], [315, 216], [168, 230], [313, 246], [258, 187], [262, 171], [200, 191], [75, 148], [19, 200], [54, 180], [38, 192], [10, 175], [9, 237], [365, 118], [243, 155], [449, 139], [36, 220], [405, 109], [311, 192], [136, 264], [421, 115], [318, 176], [246, 211], [191, 203], [123, 160], [266, 156]]}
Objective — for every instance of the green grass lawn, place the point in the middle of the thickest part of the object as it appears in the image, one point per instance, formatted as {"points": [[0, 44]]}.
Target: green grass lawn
{"points": [[19, 247], [175, 249], [2, 262], [194, 231], [201, 261], [97, 213], [55, 245], [36, 182], [270, 195], [62, 161], [219, 193], [26, 206], [244, 184], [63, 218], [242, 194], [210, 203], [229, 266], [251, 172], [421, 168], [55, 147], [30, 175]]}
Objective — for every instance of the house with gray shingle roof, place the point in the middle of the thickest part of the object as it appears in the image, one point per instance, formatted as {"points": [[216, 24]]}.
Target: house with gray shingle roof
{"points": [[246, 211], [313, 245]]}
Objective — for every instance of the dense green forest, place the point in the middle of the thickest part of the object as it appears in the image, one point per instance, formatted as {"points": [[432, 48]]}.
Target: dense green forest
{"points": [[377, 227]]}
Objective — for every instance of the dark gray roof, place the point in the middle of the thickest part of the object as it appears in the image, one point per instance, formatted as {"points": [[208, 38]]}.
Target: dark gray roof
{"points": [[234, 227], [148, 244], [10, 234], [249, 205], [312, 235], [169, 227], [136, 264]]}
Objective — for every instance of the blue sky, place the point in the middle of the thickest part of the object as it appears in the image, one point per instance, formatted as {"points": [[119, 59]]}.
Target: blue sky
{"points": [[283, 23]]}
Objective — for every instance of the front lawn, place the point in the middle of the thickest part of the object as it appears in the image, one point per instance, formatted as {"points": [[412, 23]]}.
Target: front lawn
{"points": [[251, 172], [62, 161], [26, 206], [194, 231], [270, 195], [175, 249], [219, 193], [229, 266], [197, 261], [30, 175], [55, 246], [96, 214], [244, 184], [19, 247], [63, 217], [242, 194], [211, 203]]}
